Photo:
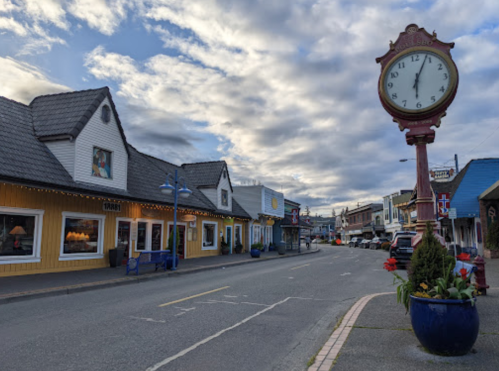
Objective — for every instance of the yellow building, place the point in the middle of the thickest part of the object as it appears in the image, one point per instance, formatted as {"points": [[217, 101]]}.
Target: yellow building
{"points": [[72, 188]]}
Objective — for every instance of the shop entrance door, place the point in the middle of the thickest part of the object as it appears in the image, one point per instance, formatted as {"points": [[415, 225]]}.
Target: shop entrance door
{"points": [[124, 239], [181, 235]]}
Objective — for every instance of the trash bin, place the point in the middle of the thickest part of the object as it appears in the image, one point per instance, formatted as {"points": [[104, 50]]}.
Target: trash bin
{"points": [[116, 257]]}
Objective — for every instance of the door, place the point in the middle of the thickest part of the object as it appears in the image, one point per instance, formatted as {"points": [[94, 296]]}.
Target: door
{"points": [[156, 237], [124, 241], [228, 237], [181, 237]]}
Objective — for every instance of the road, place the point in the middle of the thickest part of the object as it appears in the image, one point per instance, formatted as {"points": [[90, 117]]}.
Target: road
{"points": [[273, 315]]}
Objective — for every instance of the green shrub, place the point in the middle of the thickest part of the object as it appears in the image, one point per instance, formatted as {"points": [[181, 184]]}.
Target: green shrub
{"points": [[170, 240], [493, 236], [257, 246], [333, 242], [386, 246], [429, 261]]}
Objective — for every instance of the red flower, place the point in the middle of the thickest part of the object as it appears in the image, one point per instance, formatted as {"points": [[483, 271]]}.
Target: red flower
{"points": [[464, 273], [392, 261], [463, 257], [390, 265]]}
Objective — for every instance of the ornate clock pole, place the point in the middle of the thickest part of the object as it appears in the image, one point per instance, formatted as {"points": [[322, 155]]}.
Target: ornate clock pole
{"points": [[418, 82]]}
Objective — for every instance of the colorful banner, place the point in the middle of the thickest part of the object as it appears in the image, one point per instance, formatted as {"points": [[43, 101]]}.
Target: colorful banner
{"points": [[443, 205]]}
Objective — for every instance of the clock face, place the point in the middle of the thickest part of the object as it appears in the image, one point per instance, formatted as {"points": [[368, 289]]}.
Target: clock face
{"points": [[418, 81]]}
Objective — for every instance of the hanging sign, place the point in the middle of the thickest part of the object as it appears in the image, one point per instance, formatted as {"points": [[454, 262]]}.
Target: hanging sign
{"points": [[453, 213], [443, 205], [294, 216], [441, 174]]}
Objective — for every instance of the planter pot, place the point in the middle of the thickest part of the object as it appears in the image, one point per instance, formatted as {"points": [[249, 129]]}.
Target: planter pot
{"points": [[116, 257], [255, 253], [225, 252], [491, 254], [169, 261], [281, 249], [445, 327]]}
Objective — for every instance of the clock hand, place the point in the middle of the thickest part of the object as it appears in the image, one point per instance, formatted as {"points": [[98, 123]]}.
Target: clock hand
{"points": [[416, 83]]}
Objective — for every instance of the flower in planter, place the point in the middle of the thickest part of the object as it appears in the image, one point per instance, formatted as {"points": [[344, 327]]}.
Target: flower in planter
{"points": [[463, 257]]}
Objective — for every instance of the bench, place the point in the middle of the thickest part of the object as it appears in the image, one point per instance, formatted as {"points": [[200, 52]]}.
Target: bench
{"points": [[148, 257]]}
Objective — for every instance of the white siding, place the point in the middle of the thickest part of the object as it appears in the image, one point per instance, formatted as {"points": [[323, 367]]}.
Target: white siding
{"points": [[268, 196], [250, 198], [211, 193], [224, 184], [64, 151], [105, 136]]}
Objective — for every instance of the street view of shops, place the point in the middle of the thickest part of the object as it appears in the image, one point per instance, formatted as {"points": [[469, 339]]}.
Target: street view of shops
{"points": [[234, 186]]}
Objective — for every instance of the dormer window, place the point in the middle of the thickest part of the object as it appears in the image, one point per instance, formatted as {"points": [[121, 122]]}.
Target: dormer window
{"points": [[106, 113]]}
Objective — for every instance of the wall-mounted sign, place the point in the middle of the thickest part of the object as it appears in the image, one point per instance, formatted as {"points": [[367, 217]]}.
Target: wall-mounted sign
{"points": [[151, 213], [114, 207], [442, 174]]}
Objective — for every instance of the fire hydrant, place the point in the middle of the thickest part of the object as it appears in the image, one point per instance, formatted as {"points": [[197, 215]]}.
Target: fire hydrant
{"points": [[480, 275]]}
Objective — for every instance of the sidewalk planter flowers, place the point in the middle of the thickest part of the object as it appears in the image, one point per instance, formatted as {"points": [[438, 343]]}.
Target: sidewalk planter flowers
{"points": [[224, 247], [441, 301], [256, 250]]}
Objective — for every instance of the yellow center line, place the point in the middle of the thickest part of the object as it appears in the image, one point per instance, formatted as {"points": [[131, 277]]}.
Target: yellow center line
{"points": [[193, 296], [301, 266]]}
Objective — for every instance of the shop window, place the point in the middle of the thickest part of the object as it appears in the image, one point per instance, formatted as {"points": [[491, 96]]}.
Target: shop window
{"points": [[225, 198], [210, 236], [82, 236], [20, 231], [141, 236]]}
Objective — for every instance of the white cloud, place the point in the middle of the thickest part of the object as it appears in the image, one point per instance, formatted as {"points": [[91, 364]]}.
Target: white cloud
{"points": [[101, 15], [49, 11], [11, 25], [22, 81]]}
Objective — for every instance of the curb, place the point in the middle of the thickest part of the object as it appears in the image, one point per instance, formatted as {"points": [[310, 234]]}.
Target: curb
{"points": [[72, 289], [325, 358]]}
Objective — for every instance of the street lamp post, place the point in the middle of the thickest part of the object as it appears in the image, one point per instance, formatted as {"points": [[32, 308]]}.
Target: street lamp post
{"points": [[168, 189]]}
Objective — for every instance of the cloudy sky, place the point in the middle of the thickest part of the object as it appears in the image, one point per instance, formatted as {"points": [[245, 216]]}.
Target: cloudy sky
{"points": [[285, 91]]}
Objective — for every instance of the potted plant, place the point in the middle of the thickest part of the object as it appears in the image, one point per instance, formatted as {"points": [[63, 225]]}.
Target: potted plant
{"points": [[432, 289], [224, 247], [492, 243], [256, 250], [239, 247]]}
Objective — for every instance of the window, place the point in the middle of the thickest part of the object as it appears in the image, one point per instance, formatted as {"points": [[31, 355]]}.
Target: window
{"points": [[238, 237], [102, 163], [257, 236], [106, 114], [82, 236], [141, 236], [210, 236], [225, 198], [225, 174], [20, 232]]}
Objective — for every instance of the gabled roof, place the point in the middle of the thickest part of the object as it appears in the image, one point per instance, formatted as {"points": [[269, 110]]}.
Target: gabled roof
{"points": [[206, 174], [66, 114]]}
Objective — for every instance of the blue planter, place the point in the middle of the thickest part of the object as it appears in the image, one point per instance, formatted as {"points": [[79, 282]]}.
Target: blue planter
{"points": [[255, 253], [445, 327], [169, 261]]}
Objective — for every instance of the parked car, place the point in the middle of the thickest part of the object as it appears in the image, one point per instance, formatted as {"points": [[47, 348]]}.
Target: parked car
{"points": [[413, 233], [376, 242], [364, 244], [401, 248], [355, 241]]}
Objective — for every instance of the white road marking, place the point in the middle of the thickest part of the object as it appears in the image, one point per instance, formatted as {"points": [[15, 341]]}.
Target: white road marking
{"points": [[264, 305], [180, 314], [148, 319], [209, 338], [186, 309], [230, 296], [217, 301], [290, 278], [345, 274]]}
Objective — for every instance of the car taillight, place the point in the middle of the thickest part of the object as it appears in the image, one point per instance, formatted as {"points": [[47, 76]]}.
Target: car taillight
{"points": [[393, 247]]}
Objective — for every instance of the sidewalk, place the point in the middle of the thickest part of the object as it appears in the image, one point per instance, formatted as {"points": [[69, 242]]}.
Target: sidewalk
{"points": [[376, 334], [51, 284]]}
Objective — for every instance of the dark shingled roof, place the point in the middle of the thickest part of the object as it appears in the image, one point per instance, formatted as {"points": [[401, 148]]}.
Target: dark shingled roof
{"points": [[66, 114], [206, 174], [26, 160]]}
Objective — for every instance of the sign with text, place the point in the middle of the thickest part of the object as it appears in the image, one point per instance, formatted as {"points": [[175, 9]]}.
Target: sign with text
{"points": [[294, 216], [112, 206], [453, 213], [443, 204]]}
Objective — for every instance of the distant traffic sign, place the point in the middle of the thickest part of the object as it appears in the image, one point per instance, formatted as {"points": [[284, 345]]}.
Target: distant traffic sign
{"points": [[452, 213]]}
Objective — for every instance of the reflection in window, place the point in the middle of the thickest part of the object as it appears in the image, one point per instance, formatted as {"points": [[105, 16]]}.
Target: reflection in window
{"points": [[81, 235], [16, 234], [208, 234], [141, 235]]}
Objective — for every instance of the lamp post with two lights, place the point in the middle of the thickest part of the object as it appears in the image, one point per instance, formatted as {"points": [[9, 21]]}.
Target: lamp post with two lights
{"points": [[168, 189]]}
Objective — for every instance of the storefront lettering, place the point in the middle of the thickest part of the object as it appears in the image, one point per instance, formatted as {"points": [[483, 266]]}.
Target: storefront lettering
{"points": [[112, 206]]}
